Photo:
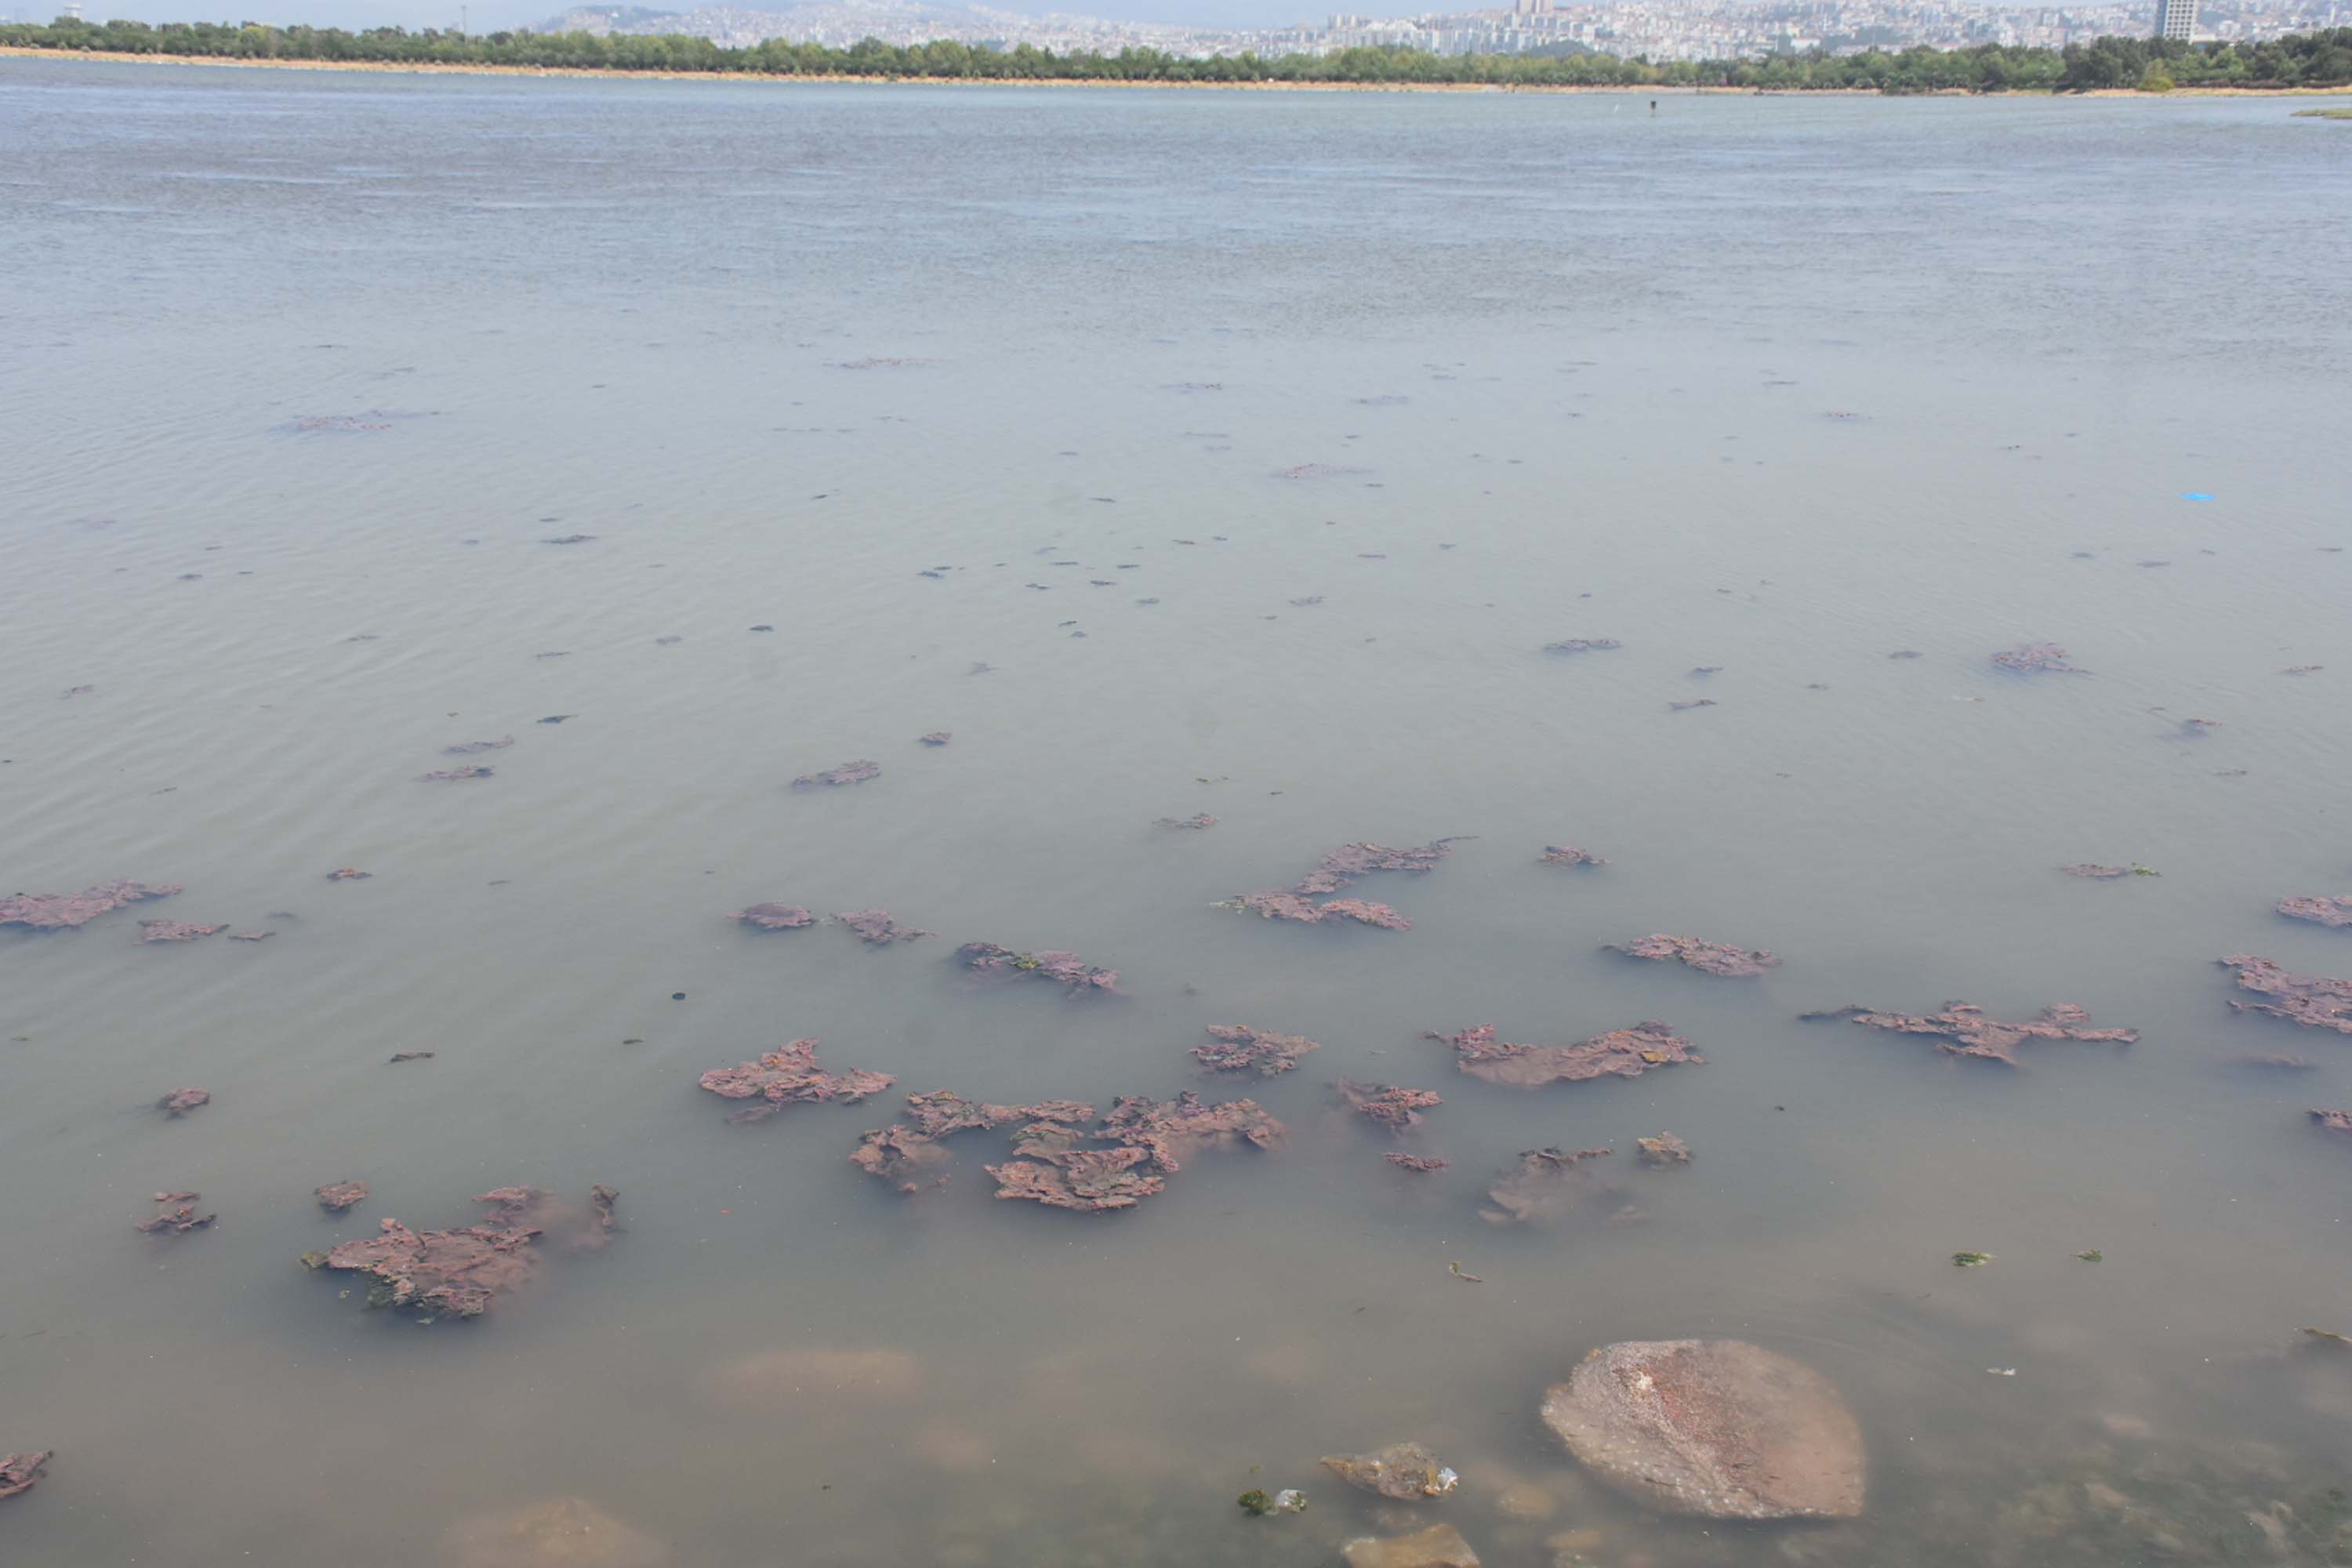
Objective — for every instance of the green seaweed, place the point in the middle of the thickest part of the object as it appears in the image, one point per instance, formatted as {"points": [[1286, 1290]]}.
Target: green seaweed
{"points": [[1256, 1503], [1970, 1259], [2093, 1256]]}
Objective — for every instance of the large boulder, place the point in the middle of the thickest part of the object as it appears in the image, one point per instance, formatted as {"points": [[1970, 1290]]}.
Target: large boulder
{"points": [[1715, 1427]]}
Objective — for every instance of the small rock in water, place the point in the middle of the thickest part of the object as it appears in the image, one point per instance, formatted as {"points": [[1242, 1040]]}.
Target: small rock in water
{"points": [[1665, 1149], [2037, 658], [19, 1471], [1718, 1428], [176, 1215], [1406, 1472], [1582, 645], [1439, 1546], [846, 773], [1570, 855], [475, 748], [348, 874], [1241, 1048], [2315, 1001], [470, 771], [175, 931], [1707, 957], [774, 917], [1197, 821], [936, 738], [875, 926], [2334, 911], [53, 911], [336, 1197], [180, 1101]]}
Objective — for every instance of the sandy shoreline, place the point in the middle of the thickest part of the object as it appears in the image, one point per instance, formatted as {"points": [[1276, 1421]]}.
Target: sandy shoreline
{"points": [[405, 68]]}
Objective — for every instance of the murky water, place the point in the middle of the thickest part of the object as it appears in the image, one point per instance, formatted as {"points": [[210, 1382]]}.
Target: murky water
{"points": [[1781, 386]]}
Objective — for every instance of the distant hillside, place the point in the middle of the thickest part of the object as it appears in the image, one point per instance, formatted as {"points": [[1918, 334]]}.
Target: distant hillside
{"points": [[840, 23]]}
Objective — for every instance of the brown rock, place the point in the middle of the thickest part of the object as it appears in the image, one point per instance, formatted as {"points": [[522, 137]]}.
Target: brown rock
{"points": [[1718, 1428], [780, 1381], [790, 1076], [1046, 964], [1405, 1471], [1241, 1048], [175, 931], [2334, 1120], [2335, 911], [774, 917], [52, 911], [1621, 1053], [2315, 1001], [2037, 658], [1665, 1149], [1570, 855], [1421, 1164], [876, 927], [1397, 1110], [457, 1272], [846, 773], [336, 1197], [180, 1101], [18, 1472], [1966, 1031], [1707, 957], [176, 1216], [1439, 1546]]}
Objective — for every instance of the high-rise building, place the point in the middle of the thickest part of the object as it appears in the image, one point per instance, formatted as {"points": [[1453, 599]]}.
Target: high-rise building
{"points": [[2176, 19]]}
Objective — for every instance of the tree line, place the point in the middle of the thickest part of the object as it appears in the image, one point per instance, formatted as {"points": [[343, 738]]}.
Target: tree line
{"points": [[2322, 58]]}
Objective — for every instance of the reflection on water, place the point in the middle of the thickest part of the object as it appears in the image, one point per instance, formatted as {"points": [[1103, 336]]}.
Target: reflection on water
{"points": [[1180, 456]]}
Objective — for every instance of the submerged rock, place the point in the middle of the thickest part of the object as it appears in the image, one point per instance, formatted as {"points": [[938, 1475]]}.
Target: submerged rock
{"points": [[2334, 1120], [1350, 861], [18, 1472], [1439, 1546], [2037, 658], [846, 773], [2315, 1001], [348, 874], [1293, 907], [175, 931], [176, 1215], [1046, 964], [1707, 957], [1405, 1471], [1665, 1149], [180, 1101], [1718, 1428], [876, 927], [1964, 1030], [1546, 1184], [1397, 1110], [1196, 822], [460, 1271], [2335, 911], [53, 911], [336, 1197], [1137, 1145], [1241, 1048], [476, 748], [2095, 872], [1421, 1164], [1570, 855], [936, 738], [1582, 645], [1620, 1053], [902, 1152], [774, 917], [470, 771], [1685, 706], [558, 1532], [789, 1076]]}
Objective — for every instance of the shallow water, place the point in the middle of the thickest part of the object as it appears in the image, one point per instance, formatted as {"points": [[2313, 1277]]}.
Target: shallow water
{"points": [[1779, 385]]}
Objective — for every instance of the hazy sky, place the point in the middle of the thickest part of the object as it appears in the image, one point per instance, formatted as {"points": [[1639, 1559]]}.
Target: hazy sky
{"points": [[487, 13]]}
